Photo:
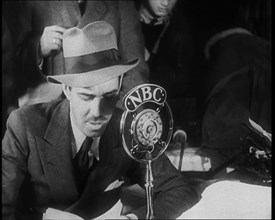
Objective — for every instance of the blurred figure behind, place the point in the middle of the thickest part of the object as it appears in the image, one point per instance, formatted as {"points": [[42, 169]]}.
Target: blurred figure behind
{"points": [[237, 72], [168, 45]]}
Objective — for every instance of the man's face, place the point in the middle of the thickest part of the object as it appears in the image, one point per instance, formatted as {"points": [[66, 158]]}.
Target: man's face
{"points": [[162, 7], [92, 107]]}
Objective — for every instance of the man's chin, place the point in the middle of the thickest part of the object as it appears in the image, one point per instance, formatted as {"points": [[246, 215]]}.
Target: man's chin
{"points": [[96, 132]]}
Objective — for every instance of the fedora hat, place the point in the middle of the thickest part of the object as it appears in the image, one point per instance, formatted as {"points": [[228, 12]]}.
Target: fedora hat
{"points": [[91, 56]]}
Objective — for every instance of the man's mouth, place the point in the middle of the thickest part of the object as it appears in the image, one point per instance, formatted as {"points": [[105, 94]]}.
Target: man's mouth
{"points": [[163, 10], [96, 125]]}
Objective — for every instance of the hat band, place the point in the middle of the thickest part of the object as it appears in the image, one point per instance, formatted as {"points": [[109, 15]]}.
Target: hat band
{"points": [[91, 62]]}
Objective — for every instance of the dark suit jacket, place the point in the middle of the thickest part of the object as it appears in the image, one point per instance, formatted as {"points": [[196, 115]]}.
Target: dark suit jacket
{"points": [[36, 15], [238, 87], [37, 170]]}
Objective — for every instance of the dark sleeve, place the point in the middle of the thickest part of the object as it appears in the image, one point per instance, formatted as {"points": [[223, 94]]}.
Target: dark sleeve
{"points": [[7, 62], [172, 194], [8, 80], [27, 49], [131, 46], [14, 164]]}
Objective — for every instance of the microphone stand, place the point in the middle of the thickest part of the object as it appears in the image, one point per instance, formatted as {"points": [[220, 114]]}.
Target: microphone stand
{"points": [[149, 188]]}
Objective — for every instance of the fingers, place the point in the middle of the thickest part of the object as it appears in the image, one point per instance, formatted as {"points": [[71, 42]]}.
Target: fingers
{"points": [[56, 35], [56, 44], [51, 40], [55, 38]]}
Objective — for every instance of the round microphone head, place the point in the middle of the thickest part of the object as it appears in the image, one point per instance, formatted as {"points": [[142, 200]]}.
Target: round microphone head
{"points": [[147, 124]]}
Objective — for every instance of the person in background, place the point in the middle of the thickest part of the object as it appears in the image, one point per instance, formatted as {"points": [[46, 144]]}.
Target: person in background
{"points": [[169, 52], [67, 154], [155, 18], [39, 36], [237, 73], [168, 45]]}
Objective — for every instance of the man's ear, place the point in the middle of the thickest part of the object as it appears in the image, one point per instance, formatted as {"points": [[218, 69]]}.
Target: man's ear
{"points": [[67, 91]]}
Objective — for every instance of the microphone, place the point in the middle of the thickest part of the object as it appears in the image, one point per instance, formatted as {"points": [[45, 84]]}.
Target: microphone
{"points": [[146, 129]]}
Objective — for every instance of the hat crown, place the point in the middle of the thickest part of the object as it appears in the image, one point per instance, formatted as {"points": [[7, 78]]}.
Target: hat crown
{"points": [[91, 56], [95, 37]]}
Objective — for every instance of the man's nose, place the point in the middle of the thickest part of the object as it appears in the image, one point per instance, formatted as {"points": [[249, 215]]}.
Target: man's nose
{"points": [[95, 107]]}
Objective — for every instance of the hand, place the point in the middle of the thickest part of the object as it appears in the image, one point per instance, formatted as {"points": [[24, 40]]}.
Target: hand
{"points": [[51, 40]]}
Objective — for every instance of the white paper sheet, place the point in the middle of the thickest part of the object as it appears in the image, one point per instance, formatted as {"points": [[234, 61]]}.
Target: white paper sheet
{"points": [[55, 214], [232, 200]]}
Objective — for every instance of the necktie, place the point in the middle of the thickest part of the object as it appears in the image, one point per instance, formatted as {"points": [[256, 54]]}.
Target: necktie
{"points": [[81, 162]]}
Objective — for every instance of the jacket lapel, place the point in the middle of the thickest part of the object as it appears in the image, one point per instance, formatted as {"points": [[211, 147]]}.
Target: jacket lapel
{"points": [[56, 156]]}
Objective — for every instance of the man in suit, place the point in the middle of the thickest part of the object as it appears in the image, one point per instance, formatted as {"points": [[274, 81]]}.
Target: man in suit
{"points": [[39, 41], [43, 151]]}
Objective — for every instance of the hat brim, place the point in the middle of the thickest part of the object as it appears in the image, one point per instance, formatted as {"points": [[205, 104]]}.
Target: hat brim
{"points": [[92, 78]]}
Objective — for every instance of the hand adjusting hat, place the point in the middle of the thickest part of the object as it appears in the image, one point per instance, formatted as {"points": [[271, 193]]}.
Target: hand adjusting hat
{"points": [[91, 56]]}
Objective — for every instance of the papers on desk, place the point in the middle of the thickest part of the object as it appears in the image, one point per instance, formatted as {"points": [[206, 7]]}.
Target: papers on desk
{"points": [[55, 214], [232, 200], [221, 200]]}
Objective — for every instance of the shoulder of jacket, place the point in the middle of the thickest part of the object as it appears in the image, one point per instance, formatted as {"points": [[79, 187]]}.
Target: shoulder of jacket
{"points": [[33, 117]]}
